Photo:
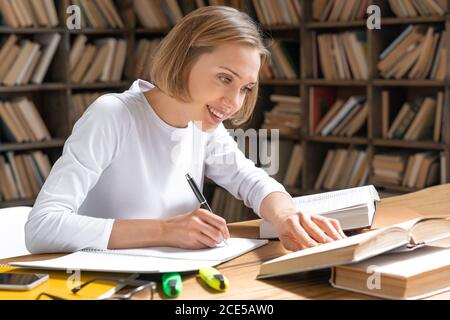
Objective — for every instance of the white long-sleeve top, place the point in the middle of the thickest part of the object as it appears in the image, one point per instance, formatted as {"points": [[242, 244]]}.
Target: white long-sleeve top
{"points": [[124, 162]]}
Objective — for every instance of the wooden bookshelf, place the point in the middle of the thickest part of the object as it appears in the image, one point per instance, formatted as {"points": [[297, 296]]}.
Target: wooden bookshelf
{"points": [[58, 91]]}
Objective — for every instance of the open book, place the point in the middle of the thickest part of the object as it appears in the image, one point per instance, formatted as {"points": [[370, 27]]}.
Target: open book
{"points": [[148, 260], [354, 208], [405, 236]]}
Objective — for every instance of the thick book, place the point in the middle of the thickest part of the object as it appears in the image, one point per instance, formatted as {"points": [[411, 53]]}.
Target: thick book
{"points": [[354, 208], [406, 275], [406, 235], [147, 260]]}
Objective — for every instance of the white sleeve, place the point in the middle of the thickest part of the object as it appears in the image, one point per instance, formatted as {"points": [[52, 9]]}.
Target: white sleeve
{"points": [[227, 166], [53, 224]]}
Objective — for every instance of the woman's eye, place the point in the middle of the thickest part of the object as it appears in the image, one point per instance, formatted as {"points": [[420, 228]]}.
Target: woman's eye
{"points": [[224, 79], [247, 90]]}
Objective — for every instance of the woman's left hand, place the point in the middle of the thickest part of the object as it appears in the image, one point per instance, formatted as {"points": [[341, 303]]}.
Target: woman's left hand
{"points": [[300, 230]]}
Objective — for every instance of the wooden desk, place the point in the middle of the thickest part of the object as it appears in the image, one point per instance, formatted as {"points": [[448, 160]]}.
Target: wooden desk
{"points": [[242, 271]]}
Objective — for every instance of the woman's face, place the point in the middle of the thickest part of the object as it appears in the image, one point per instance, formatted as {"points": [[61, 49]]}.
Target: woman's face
{"points": [[219, 82]]}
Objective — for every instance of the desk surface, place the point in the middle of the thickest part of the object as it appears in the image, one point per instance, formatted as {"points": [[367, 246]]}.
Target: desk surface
{"points": [[242, 271]]}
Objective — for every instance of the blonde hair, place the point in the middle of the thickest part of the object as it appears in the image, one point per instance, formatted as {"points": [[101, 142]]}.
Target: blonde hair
{"points": [[197, 33]]}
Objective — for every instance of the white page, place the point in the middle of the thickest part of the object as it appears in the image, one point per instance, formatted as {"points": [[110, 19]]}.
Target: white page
{"points": [[173, 260], [221, 252], [335, 200], [408, 264]]}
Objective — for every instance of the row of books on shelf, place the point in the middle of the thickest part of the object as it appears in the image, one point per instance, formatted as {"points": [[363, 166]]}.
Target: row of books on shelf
{"points": [[421, 119], [413, 171], [345, 117], [228, 207], [348, 168], [414, 8], [419, 52], [22, 175], [20, 121], [23, 61], [288, 12], [99, 60], [349, 10], [29, 13], [163, 14], [285, 62], [284, 116], [343, 168], [339, 10], [343, 55], [99, 14], [144, 53]]}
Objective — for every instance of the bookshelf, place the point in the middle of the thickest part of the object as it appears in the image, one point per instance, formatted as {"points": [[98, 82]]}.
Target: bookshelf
{"points": [[54, 95]]}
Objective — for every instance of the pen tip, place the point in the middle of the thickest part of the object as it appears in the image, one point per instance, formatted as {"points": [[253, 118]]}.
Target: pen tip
{"points": [[188, 176]]}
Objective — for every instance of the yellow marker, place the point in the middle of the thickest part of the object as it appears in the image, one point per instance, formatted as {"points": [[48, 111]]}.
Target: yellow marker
{"points": [[214, 278]]}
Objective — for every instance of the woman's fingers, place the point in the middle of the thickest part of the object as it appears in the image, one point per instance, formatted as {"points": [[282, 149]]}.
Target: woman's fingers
{"points": [[214, 220], [299, 233], [313, 229], [202, 226], [205, 240], [338, 227], [331, 228]]}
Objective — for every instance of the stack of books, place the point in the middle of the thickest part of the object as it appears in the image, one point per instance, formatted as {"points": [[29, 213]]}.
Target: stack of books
{"points": [[81, 101], [23, 175], [144, 53], [285, 115], [285, 62], [417, 53], [343, 56], [343, 168], [339, 10], [102, 60], [414, 8], [344, 118], [25, 61], [99, 14], [21, 122], [391, 262], [388, 169], [287, 12], [29, 13], [421, 119], [413, 171]]}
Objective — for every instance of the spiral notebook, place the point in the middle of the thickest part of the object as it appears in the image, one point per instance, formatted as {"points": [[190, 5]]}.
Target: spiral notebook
{"points": [[147, 260]]}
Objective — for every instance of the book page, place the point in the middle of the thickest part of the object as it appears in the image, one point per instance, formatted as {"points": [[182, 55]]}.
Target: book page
{"points": [[335, 200], [408, 264]]}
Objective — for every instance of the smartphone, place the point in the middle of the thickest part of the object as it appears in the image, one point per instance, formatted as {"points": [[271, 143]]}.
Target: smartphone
{"points": [[21, 281]]}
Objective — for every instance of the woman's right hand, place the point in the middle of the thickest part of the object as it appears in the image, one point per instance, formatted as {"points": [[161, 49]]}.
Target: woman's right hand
{"points": [[195, 230]]}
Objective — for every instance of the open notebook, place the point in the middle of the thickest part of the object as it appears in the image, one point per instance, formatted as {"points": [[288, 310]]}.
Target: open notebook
{"points": [[147, 260]]}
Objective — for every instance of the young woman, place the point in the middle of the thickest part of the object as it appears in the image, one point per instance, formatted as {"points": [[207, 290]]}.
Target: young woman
{"points": [[120, 182]]}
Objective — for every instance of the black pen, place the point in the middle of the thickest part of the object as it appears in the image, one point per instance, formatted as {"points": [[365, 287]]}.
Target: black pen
{"points": [[200, 197]]}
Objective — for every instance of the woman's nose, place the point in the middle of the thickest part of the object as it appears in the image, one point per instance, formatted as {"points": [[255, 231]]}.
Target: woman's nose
{"points": [[234, 101]]}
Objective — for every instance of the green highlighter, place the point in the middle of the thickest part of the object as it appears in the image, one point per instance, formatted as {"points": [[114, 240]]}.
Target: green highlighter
{"points": [[172, 284]]}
